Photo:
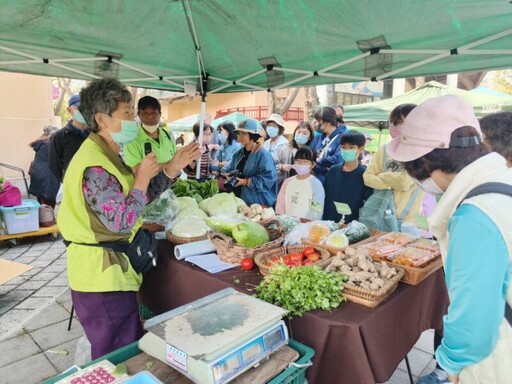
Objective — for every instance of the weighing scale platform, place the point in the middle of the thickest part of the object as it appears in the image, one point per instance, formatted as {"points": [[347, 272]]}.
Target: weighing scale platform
{"points": [[216, 338]]}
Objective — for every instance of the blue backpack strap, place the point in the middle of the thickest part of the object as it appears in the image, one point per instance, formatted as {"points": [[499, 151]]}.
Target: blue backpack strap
{"points": [[408, 207], [493, 187]]}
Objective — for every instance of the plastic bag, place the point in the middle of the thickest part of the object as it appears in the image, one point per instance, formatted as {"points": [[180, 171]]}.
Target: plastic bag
{"points": [[160, 210], [188, 226], [301, 231], [289, 222], [82, 351], [356, 231]]}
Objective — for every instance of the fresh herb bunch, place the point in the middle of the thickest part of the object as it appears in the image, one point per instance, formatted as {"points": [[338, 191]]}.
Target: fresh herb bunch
{"points": [[301, 289], [197, 190]]}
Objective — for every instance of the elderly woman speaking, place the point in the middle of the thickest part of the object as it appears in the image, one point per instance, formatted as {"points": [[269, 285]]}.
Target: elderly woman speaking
{"points": [[103, 202]]}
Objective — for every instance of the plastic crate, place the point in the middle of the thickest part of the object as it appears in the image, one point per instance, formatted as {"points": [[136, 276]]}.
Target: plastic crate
{"points": [[296, 374], [292, 375], [21, 218]]}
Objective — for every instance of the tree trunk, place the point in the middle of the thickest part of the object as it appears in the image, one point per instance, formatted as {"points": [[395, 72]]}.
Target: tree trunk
{"points": [[271, 102], [64, 90], [310, 104], [283, 107]]}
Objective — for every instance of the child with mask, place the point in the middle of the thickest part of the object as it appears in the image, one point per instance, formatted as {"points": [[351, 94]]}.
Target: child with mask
{"points": [[344, 182], [302, 195], [228, 145], [302, 136]]}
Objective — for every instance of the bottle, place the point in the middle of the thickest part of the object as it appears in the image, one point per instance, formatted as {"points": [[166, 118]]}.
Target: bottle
{"points": [[391, 221]]}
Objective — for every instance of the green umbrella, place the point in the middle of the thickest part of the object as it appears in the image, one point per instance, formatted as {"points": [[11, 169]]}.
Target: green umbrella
{"points": [[235, 117]]}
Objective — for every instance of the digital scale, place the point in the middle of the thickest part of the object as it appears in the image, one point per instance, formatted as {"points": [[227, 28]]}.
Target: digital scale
{"points": [[216, 338]]}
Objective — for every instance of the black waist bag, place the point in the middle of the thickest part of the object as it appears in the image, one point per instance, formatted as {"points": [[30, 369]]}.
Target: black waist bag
{"points": [[142, 251]]}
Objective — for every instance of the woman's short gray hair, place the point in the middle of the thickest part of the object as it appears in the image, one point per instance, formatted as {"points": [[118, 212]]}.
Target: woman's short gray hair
{"points": [[102, 96]]}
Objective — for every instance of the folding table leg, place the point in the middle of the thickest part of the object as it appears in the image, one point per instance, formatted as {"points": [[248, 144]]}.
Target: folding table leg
{"points": [[71, 316], [408, 369]]}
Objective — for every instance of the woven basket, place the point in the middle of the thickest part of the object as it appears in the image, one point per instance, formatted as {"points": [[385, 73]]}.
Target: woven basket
{"points": [[231, 252], [183, 240], [414, 276], [261, 258], [365, 297]]}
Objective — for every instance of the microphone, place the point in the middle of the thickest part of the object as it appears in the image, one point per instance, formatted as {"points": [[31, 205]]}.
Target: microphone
{"points": [[147, 148]]}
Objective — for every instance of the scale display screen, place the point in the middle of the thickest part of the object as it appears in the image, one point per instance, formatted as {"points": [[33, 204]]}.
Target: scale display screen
{"points": [[270, 339], [251, 351]]}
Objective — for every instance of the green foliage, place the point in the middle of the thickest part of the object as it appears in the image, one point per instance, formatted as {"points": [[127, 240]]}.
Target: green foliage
{"points": [[301, 289], [1, 182], [197, 190]]}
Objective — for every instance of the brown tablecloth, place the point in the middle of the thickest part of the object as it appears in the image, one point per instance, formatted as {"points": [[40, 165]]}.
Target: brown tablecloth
{"points": [[353, 344]]}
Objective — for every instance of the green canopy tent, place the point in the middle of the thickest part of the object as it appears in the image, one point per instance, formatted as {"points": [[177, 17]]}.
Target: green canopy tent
{"points": [[224, 46], [204, 47], [376, 114]]}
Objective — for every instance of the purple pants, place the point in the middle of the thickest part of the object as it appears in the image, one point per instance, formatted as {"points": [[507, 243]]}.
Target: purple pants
{"points": [[110, 319]]}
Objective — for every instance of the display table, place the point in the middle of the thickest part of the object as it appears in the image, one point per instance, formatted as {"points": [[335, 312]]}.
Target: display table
{"points": [[353, 344]]}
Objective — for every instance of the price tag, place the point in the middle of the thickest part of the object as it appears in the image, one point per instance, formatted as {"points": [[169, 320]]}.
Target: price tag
{"points": [[421, 221], [176, 357], [342, 208]]}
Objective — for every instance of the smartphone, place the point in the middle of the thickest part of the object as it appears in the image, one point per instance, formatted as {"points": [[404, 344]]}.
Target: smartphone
{"points": [[147, 149]]}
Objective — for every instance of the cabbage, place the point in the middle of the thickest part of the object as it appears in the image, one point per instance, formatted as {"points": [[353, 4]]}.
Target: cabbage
{"points": [[181, 203], [250, 234], [194, 211], [225, 224], [222, 204], [190, 226]]}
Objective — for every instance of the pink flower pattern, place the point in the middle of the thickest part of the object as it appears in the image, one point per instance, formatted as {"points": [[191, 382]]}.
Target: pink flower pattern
{"points": [[117, 211]]}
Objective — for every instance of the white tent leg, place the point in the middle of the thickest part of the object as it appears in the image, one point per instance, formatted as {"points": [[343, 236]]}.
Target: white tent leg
{"points": [[200, 138]]}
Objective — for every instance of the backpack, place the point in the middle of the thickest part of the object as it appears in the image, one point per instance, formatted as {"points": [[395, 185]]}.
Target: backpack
{"points": [[493, 187], [379, 211]]}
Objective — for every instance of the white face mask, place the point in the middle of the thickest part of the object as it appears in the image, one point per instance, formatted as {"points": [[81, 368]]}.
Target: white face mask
{"points": [[150, 128], [430, 186]]}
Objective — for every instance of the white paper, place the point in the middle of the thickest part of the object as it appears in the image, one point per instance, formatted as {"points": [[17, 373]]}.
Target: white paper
{"points": [[210, 262], [192, 249]]}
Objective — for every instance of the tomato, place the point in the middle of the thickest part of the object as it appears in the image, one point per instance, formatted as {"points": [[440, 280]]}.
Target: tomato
{"points": [[314, 257], [247, 264], [286, 259], [295, 256], [307, 262], [308, 251], [294, 263]]}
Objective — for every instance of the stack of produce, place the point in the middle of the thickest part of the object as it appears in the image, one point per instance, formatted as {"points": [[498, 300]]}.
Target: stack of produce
{"points": [[257, 213], [197, 190], [360, 269]]}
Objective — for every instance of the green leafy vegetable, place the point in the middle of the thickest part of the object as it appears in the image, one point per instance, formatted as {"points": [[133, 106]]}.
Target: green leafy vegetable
{"points": [[301, 289], [149, 364], [197, 190]]}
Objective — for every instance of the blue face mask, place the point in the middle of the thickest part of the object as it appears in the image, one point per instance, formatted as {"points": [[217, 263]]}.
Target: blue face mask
{"points": [[272, 132], [222, 138], [301, 139], [77, 116], [349, 155], [128, 132]]}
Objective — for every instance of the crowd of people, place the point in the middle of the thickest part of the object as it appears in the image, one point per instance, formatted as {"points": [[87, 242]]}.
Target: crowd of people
{"points": [[114, 166]]}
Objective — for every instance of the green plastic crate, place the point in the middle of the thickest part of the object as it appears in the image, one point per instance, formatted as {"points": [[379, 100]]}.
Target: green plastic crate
{"points": [[296, 374], [292, 375]]}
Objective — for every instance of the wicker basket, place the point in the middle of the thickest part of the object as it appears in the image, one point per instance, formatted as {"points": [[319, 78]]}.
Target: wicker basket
{"points": [[365, 297], [231, 252], [183, 240], [153, 227], [414, 276], [261, 258]]}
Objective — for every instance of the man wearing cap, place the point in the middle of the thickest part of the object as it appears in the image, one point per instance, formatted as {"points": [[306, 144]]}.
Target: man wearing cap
{"points": [[257, 175], [66, 141], [441, 148], [150, 137], [275, 130]]}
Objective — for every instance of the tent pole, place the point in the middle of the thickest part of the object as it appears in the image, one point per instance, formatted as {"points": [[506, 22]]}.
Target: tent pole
{"points": [[201, 128]]}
